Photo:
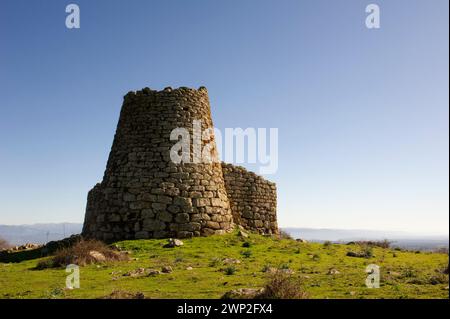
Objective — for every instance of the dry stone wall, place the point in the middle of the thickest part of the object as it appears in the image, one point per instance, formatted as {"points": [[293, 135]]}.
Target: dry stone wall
{"points": [[144, 194], [253, 199]]}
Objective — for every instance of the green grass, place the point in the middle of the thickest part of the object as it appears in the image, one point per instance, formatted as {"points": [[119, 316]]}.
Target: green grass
{"points": [[403, 274]]}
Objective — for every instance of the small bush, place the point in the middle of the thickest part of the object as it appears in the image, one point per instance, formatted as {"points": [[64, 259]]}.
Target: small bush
{"points": [[437, 280], [246, 253], [316, 257], [327, 244], [282, 286], [285, 235], [284, 266], [4, 244], [80, 254], [408, 273], [230, 270], [119, 294], [266, 268], [216, 261], [366, 252], [372, 243], [442, 250], [246, 244]]}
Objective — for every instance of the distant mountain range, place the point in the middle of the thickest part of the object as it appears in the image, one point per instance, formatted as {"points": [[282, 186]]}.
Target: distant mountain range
{"points": [[38, 233], [42, 233], [399, 239]]}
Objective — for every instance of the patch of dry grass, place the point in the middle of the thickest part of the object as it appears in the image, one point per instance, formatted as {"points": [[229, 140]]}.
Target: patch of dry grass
{"points": [[83, 252], [120, 294], [282, 285]]}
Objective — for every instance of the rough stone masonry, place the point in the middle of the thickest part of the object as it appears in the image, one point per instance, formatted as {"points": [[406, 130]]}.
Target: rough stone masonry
{"points": [[144, 194]]}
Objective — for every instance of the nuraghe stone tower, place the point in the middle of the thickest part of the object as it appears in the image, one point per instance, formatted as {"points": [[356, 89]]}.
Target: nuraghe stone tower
{"points": [[144, 194]]}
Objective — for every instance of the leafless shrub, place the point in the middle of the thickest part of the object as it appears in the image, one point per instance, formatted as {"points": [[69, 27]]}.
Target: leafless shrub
{"points": [[119, 294], [372, 243], [4, 244], [282, 285], [285, 235], [82, 253]]}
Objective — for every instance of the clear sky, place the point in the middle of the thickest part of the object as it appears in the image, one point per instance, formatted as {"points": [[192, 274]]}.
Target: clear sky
{"points": [[363, 115]]}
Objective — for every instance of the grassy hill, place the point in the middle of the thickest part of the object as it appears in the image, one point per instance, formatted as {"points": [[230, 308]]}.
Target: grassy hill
{"points": [[200, 269]]}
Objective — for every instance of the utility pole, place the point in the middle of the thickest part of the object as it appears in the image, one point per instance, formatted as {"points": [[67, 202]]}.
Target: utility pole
{"points": [[48, 234]]}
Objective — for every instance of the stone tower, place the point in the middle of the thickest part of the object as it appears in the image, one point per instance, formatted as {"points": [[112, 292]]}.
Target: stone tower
{"points": [[144, 194]]}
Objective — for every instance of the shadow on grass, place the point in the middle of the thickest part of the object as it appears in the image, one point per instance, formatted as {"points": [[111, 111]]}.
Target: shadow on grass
{"points": [[48, 249], [19, 256]]}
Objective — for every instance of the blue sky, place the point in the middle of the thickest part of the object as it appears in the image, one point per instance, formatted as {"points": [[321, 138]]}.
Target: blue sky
{"points": [[362, 114]]}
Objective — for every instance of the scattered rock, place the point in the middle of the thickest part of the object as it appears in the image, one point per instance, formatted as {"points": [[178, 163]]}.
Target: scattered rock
{"points": [[27, 246], [135, 273], [300, 240], [242, 234], [153, 272], [172, 242], [286, 271], [394, 273], [228, 261], [243, 293], [273, 270], [166, 269], [270, 270], [361, 254], [352, 293], [333, 271], [97, 256], [189, 268]]}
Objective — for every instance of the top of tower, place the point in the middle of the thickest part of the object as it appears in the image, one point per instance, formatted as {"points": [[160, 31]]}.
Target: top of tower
{"points": [[181, 89]]}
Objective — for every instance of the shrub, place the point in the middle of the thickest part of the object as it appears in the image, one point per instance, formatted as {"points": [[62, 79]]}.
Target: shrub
{"points": [[246, 244], [326, 243], [246, 253], [230, 270], [216, 261], [442, 250], [4, 244], [119, 294], [372, 243], [81, 254], [284, 266], [445, 271], [437, 280], [285, 235], [408, 273], [366, 252], [266, 268], [282, 286]]}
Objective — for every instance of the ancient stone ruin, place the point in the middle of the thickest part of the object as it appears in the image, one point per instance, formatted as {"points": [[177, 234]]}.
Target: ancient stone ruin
{"points": [[144, 194]]}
